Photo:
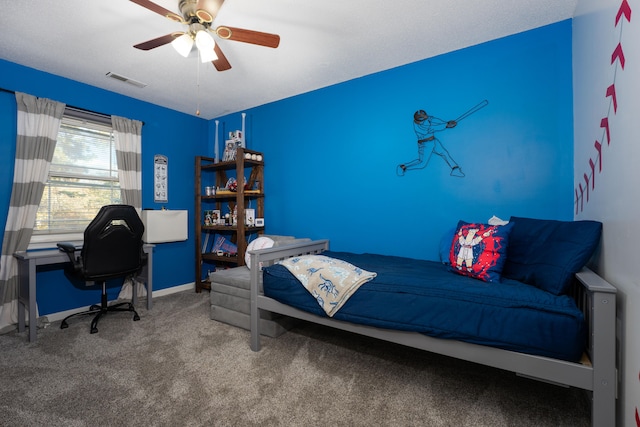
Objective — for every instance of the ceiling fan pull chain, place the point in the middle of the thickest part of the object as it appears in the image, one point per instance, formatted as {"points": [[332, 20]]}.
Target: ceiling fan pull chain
{"points": [[198, 84]]}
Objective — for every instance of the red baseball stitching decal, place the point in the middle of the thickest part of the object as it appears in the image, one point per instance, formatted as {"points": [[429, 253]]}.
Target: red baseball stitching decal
{"points": [[617, 58]]}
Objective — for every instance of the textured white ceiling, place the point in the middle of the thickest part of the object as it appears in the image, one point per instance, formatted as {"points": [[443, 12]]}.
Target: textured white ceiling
{"points": [[323, 42]]}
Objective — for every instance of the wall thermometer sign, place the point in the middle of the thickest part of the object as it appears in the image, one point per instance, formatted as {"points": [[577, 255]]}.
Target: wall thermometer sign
{"points": [[160, 181]]}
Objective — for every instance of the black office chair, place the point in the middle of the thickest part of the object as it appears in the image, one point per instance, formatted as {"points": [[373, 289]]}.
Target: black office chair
{"points": [[112, 249]]}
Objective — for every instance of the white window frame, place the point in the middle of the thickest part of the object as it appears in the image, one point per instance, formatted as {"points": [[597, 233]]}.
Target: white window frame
{"points": [[49, 240]]}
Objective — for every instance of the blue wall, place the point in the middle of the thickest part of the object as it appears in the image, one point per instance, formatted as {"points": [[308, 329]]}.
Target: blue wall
{"points": [[331, 154], [163, 133]]}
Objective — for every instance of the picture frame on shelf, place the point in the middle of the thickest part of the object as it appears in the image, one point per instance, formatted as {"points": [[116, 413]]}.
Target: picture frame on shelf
{"points": [[250, 217], [229, 151], [215, 217], [259, 222], [207, 218]]}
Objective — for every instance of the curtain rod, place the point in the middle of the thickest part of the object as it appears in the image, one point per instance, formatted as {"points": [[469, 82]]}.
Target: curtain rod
{"points": [[77, 111]]}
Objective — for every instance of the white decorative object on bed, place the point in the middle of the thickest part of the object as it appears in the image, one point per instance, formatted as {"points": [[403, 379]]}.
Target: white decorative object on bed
{"points": [[330, 281], [261, 242]]}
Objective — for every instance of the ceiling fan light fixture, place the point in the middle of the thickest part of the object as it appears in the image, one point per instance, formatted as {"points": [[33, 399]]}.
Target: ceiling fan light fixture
{"points": [[208, 56], [206, 44], [204, 41], [183, 44]]}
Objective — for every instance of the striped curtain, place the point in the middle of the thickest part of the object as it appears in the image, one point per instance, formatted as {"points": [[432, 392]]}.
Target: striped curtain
{"points": [[128, 139], [38, 125]]}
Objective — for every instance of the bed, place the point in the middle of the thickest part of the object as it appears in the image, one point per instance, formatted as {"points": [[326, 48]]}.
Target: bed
{"points": [[572, 344]]}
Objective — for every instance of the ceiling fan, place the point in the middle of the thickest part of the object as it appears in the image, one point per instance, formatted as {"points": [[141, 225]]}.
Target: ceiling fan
{"points": [[199, 16]]}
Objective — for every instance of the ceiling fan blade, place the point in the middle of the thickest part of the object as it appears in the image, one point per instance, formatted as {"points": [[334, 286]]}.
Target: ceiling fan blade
{"points": [[221, 64], [159, 10], [248, 36], [157, 42]]}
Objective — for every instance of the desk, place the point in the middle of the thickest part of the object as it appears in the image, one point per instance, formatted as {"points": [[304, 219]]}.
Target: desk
{"points": [[27, 263]]}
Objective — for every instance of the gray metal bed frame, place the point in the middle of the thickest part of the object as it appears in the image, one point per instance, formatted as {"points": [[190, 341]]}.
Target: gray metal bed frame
{"points": [[597, 372]]}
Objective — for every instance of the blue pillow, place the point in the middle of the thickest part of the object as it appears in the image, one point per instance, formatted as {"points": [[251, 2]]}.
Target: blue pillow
{"points": [[547, 253], [445, 245], [479, 250]]}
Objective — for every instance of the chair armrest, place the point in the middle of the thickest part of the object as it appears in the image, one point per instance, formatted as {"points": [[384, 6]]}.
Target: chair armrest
{"points": [[66, 247], [70, 250]]}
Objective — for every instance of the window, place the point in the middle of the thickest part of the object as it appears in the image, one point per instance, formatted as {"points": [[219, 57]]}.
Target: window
{"points": [[83, 178]]}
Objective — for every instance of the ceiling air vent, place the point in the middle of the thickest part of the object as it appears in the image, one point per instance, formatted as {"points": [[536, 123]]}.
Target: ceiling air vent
{"points": [[126, 80]]}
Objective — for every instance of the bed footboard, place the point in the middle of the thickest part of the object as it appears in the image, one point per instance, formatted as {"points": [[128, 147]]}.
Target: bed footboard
{"points": [[597, 300], [266, 257], [595, 297]]}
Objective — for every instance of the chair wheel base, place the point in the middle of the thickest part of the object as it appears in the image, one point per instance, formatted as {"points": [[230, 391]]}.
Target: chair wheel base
{"points": [[101, 310]]}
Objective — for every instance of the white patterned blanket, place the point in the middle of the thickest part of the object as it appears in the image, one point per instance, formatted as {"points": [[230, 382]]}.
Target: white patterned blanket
{"points": [[331, 281]]}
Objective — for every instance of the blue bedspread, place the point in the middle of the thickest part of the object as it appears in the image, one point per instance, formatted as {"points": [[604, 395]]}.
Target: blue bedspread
{"points": [[424, 296]]}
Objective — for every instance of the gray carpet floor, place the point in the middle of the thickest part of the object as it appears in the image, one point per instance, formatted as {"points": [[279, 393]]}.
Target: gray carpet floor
{"points": [[176, 367]]}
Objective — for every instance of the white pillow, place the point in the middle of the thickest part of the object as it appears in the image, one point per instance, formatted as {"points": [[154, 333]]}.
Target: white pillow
{"points": [[259, 243], [494, 220]]}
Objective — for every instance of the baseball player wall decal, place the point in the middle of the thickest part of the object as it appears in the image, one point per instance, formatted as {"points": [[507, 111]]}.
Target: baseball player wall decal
{"points": [[425, 127]]}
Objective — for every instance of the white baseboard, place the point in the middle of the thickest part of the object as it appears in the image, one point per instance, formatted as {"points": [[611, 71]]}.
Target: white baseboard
{"points": [[53, 317], [174, 289]]}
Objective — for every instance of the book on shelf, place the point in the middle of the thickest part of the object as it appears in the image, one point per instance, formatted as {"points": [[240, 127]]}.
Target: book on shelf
{"points": [[223, 244]]}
